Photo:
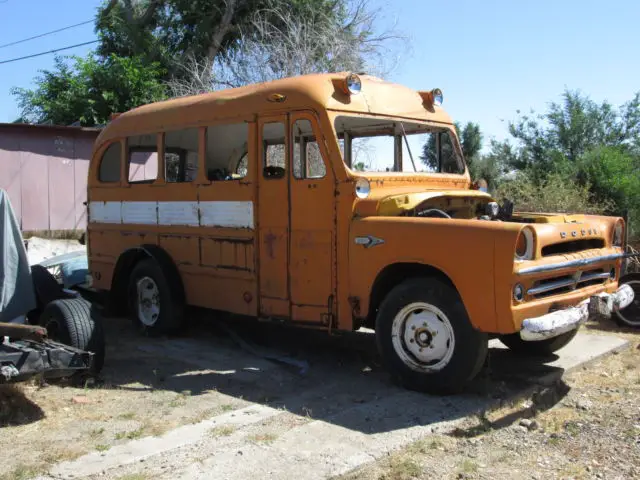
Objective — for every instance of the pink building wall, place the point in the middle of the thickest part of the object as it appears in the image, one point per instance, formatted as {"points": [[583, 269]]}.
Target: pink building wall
{"points": [[44, 171]]}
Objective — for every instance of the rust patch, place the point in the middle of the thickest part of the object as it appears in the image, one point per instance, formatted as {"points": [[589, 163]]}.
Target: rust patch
{"points": [[269, 240]]}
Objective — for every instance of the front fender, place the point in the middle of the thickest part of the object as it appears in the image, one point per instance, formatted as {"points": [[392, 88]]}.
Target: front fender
{"points": [[473, 254]]}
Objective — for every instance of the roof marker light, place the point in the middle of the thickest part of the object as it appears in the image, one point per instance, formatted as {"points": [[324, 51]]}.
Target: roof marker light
{"points": [[353, 84]]}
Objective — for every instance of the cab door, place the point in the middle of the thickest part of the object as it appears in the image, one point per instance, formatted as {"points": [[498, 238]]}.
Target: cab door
{"points": [[273, 216], [313, 221]]}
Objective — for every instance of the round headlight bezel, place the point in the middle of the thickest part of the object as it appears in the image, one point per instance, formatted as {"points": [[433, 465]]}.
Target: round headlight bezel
{"points": [[527, 234]]}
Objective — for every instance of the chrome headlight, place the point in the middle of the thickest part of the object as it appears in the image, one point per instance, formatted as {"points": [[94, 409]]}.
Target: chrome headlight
{"points": [[617, 238], [524, 244]]}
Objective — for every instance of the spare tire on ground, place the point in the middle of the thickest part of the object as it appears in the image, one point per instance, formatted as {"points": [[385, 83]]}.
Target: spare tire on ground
{"points": [[630, 316], [72, 322]]}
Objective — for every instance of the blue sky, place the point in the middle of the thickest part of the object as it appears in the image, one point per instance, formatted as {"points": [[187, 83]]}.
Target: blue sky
{"points": [[489, 57]]}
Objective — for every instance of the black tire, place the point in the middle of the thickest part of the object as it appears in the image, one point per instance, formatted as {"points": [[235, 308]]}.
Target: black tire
{"points": [[70, 321], [171, 312], [539, 348], [46, 289], [630, 316], [470, 345]]}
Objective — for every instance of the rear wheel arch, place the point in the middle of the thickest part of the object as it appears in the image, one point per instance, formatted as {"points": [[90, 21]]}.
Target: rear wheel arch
{"points": [[125, 265], [394, 274]]}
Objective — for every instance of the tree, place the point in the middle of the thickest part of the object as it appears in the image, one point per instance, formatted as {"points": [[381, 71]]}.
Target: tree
{"points": [[571, 128], [276, 42], [202, 31], [88, 90]]}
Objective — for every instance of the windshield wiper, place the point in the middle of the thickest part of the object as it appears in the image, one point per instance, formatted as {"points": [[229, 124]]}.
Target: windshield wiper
{"points": [[404, 135]]}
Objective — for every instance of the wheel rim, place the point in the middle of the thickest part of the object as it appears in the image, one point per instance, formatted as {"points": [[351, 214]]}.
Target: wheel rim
{"points": [[423, 337], [148, 301], [631, 314]]}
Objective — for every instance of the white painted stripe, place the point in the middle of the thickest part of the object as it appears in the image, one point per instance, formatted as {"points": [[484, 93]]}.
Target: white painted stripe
{"points": [[178, 213], [145, 213], [105, 212], [228, 214], [206, 214]]}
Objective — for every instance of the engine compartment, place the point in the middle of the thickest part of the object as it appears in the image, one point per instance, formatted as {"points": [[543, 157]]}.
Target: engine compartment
{"points": [[457, 207]]}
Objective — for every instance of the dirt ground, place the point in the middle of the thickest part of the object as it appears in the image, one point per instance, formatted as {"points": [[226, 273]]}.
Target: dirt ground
{"points": [[586, 426]]}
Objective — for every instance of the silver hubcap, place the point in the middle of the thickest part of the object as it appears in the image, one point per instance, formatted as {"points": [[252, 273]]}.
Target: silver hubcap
{"points": [[148, 301], [631, 314], [423, 338]]}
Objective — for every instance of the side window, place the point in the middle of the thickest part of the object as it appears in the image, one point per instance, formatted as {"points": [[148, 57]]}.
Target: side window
{"points": [[143, 158], [439, 154], [110, 164], [275, 155], [448, 157], [307, 160], [181, 155], [227, 151]]}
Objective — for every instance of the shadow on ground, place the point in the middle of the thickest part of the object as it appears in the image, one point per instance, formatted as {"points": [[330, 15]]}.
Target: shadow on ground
{"points": [[342, 383], [16, 409]]}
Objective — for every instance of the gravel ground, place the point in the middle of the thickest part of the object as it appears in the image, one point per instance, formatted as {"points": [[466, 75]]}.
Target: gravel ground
{"points": [[587, 426]]}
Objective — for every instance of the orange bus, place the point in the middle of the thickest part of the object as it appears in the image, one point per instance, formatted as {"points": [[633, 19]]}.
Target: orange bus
{"points": [[337, 201]]}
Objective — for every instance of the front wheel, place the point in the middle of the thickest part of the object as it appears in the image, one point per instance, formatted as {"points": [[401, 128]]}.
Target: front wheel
{"points": [[425, 337]]}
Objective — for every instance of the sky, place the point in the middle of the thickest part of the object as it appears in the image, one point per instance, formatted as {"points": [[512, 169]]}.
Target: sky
{"points": [[490, 58]]}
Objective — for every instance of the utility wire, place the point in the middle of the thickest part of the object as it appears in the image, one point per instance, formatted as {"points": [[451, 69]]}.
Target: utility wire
{"points": [[50, 51], [45, 34]]}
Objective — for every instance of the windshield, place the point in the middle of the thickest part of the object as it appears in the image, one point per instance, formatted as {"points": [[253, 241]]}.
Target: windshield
{"points": [[370, 144]]}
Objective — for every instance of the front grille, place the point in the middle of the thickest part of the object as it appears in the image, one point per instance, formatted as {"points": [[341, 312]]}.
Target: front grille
{"points": [[567, 283], [572, 246]]}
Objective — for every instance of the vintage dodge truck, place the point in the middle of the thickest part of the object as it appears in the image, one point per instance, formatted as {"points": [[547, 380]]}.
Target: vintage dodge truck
{"points": [[337, 201]]}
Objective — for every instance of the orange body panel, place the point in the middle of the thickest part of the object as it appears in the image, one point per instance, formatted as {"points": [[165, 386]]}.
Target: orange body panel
{"points": [[291, 247]]}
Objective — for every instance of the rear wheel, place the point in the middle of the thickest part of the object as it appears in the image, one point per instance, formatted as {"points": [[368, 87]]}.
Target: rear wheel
{"points": [[425, 337], [71, 322], [152, 304], [539, 348], [630, 316]]}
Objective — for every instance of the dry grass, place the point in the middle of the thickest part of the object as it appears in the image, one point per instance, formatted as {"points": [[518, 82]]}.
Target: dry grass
{"points": [[262, 438], [401, 468], [53, 234], [222, 431]]}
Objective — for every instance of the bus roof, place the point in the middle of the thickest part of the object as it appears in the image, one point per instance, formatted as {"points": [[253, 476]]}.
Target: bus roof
{"points": [[315, 91]]}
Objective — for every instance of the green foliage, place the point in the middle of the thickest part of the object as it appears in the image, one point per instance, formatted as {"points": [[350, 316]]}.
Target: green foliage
{"points": [[595, 147], [88, 90], [557, 193], [570, 129], [614, 176]]}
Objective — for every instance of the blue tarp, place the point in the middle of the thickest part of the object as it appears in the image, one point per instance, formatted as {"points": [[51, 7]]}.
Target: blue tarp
{"points": [[17, 296]]}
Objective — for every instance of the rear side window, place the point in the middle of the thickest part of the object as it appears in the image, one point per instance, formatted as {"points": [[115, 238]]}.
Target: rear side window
{"points": [[143, 158], [307, 160], [227, 149], [110, 164], [181, 155]]}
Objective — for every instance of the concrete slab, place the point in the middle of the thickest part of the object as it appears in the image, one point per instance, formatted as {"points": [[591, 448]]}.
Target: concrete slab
{"points": [[345, 439], [583, 350]]}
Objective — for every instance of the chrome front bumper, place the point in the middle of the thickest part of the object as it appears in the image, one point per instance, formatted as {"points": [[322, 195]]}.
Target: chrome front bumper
{"points": [[561, 321]]}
